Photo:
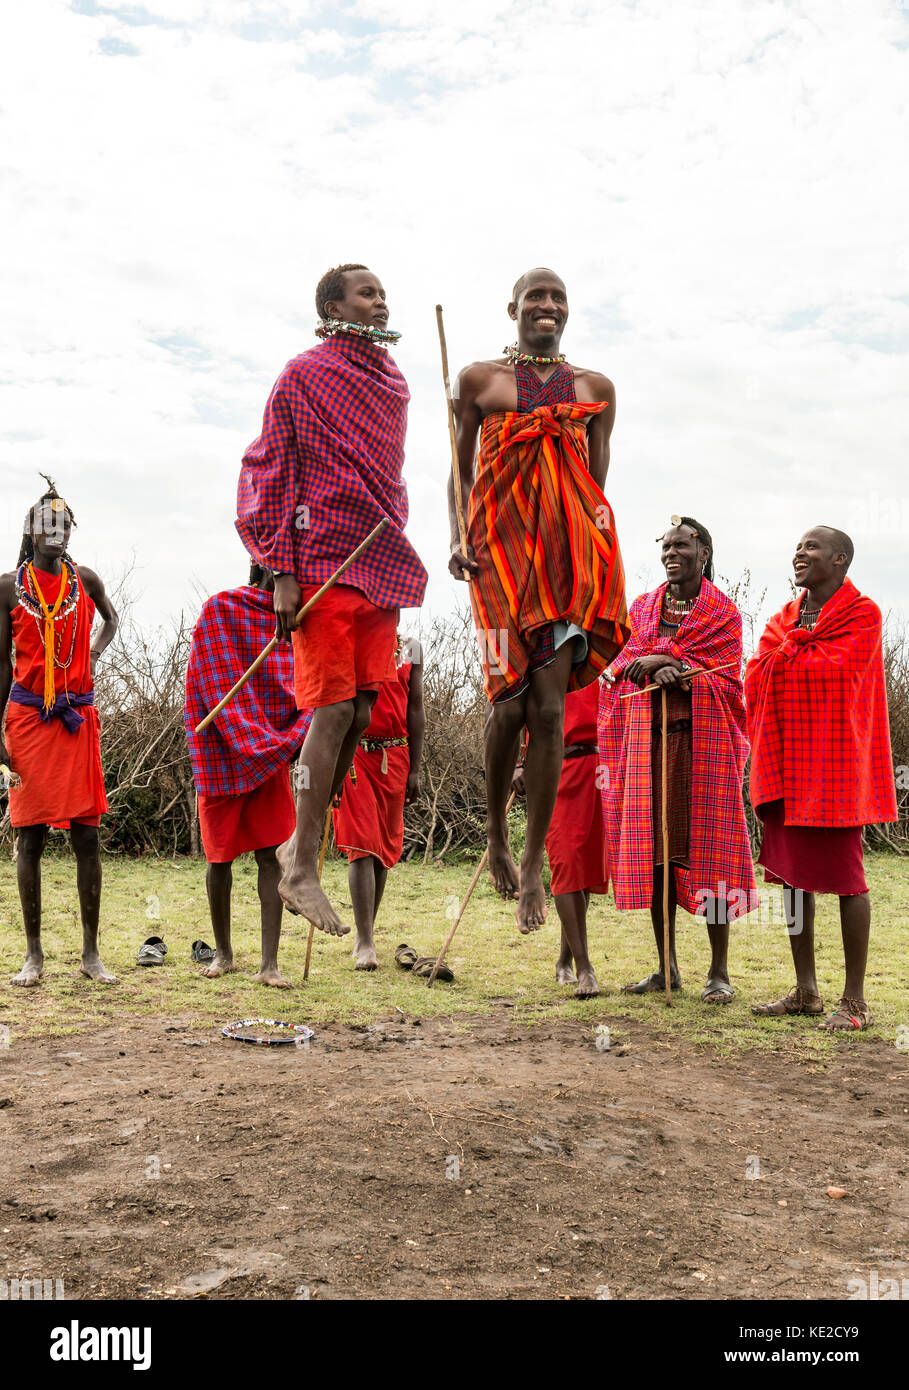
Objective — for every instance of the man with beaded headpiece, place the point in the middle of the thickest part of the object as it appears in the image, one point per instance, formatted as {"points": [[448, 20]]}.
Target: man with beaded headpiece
{"points": [[52, 751], [685, 624], [326, 469], [546, 580]]}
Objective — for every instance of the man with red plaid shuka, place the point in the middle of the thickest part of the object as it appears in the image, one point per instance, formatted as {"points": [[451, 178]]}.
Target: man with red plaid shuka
{"points": [[686, 624], [241, 762], [326, 469], [821, 764]]}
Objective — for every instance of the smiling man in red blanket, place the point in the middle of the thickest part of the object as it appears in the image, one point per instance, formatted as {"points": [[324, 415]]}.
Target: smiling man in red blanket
{"points": [[325, 470], [686, 624], [821, 765], [241, 762]]}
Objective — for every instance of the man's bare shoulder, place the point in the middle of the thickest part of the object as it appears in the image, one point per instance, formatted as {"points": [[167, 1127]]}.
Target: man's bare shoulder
{"points": [[478, 374], [599, 387]]}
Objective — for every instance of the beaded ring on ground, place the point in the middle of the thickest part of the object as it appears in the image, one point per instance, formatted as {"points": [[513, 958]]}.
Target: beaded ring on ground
{"points": [[297, 1032]]}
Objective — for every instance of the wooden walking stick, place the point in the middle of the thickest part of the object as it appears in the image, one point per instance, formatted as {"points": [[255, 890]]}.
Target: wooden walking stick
{"points": [[464, 901], [455, 469], [686, 676], [312, 926], [310, 603], [667, 973]]}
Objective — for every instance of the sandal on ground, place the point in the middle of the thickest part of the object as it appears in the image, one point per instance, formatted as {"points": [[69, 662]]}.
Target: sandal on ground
{"points": [[653, 984], [203, 954], [849, 1015], [406, 956], [721, 987], [152, 951], [797, 1001], [423, 966]]}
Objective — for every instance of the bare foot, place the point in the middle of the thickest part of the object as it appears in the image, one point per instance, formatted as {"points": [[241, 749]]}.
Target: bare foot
{"points": [[564, 973], [94, 969], [271, 975], [31, 972], [587, 984], [221, 965], [531, 909], [364, 954], [502, 869], [301, 893]]}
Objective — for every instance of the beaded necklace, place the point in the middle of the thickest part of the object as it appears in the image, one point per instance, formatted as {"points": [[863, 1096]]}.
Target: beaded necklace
{"points": [[677, 607], [32, 600], [382, 337], [808, 616], [514, 355]]}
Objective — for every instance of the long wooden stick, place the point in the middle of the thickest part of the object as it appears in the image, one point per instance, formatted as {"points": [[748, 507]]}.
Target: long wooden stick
{"points": [[464, 901], [312, 926], [310, 603], [455, 468], [686, 676], [667, 973]]}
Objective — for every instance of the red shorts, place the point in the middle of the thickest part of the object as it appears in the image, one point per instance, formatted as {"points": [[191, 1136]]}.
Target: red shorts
{"points": [[233, 825], [344, 645]]}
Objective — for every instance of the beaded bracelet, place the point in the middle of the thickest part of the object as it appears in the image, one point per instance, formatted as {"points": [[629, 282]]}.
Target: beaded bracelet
{"points": [[298, 1032]]}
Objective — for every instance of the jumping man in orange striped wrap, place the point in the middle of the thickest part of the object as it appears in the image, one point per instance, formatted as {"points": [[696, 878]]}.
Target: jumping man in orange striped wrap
{"points": [[546, 581]]}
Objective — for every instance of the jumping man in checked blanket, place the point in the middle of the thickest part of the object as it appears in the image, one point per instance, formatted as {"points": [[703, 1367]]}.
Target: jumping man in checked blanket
{"points": [[241, 762], [546, 580], [326, 469]]}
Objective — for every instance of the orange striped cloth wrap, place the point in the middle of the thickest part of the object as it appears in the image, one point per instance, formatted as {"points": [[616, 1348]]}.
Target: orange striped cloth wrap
{"points": [[544, 538]]}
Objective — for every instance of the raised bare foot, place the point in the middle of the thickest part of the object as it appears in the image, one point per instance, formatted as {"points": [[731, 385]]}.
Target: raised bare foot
{"points": [[502, 869], [364, 954], [271, 975], [221, 965], [301, 893], [31, 972], [94, 968], [587, 984], [531, 909], [564, 972]]}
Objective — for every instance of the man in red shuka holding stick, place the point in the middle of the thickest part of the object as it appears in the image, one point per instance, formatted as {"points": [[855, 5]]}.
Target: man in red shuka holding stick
{"points": [[326, 469], [820, 763]]}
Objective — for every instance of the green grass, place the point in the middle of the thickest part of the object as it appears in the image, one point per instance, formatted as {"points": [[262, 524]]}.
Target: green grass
{"points": [[490, 959]]}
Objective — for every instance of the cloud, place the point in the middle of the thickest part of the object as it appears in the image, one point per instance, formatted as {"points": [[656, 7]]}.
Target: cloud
{"points": [[720, 186]]}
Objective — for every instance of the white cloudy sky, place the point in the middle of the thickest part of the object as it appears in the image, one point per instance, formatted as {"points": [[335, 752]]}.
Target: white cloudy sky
{"points": [[722, 186]]}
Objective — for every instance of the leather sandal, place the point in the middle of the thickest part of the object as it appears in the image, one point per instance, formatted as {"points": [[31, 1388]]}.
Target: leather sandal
{"points": [[797, 1001]]}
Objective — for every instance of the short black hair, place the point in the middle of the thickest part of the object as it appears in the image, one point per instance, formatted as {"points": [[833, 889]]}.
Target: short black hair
{"points": [[841, 542], [520, 284], [331, 286], [704, 537]]}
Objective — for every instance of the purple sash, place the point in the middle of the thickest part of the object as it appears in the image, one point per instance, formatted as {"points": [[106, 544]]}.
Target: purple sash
{"points": [[62, 708]]}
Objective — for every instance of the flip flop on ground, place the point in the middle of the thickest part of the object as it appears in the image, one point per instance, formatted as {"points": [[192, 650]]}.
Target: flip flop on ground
{"points": [[203, 954], [152, 951]]}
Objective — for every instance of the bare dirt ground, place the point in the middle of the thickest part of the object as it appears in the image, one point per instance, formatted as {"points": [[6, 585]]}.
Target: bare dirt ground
{"points": [[431, 1160]]}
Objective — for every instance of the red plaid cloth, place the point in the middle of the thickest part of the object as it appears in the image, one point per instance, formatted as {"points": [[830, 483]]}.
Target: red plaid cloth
{"points": [[817, 715], [261, 729], [719, 849], [327, 468]]}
